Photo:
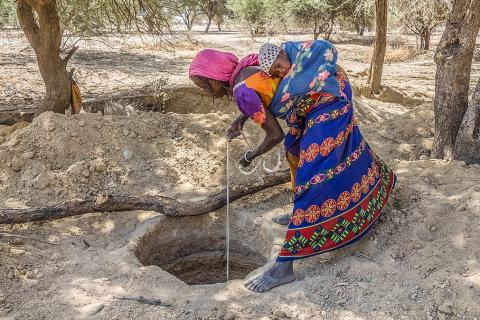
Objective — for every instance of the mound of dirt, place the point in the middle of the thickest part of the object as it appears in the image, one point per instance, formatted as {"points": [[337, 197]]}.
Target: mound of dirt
{"points": [[61, 158], [387, 94]]}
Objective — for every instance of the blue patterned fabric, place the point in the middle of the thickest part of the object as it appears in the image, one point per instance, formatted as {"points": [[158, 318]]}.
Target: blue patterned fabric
{"points": [[314, 64]]}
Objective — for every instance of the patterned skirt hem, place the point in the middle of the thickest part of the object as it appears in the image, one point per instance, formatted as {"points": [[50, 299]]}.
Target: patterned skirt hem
{"points": [[349, 227]]}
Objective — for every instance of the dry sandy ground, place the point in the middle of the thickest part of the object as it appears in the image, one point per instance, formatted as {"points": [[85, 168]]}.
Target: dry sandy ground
{"points": [[420, 262]]}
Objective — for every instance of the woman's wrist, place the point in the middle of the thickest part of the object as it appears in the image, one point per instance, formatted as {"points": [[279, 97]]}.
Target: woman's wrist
{"points": [[248, 156]]}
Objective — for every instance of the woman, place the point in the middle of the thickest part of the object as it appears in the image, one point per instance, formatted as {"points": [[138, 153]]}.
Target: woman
{"points": [[221, 73], [341, 186]]}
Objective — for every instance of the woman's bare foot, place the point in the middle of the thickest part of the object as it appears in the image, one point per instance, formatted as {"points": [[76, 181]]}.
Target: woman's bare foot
{"points": [[279, 273], [282, 220]]}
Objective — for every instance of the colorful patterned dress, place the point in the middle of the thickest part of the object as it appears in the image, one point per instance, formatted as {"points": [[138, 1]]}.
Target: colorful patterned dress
{"points": [[340, 184]]}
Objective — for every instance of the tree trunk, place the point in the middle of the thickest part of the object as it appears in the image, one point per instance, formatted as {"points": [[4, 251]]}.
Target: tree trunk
{"points": [[328, 34], [362, 31], [378, 57], [357, 27], [452, 81], [467, 144], [188, 19], [425, 36], [316, 30], [118, 21], [207, 29], [44, 35], [422, 42], [426, 39], [190, 22]]}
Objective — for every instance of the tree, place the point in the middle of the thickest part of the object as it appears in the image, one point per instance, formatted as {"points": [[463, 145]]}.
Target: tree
{"points": [[212, 9], [314, 14], [457, 124], [252, 13], [467, 143], [45, 21], [44, 35], [318, 15], [187, 10], [221, 13], [7, 13], [421, 17], [378, 57], [357, 15]]}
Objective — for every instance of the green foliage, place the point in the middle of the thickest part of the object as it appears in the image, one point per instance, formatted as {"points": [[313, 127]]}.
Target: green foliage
{"points": [[251, 13], [419, 15], [357, 15], [307, 10], [96, 17], [187, 10], [318, 16], [7, 13], [213, 9]]}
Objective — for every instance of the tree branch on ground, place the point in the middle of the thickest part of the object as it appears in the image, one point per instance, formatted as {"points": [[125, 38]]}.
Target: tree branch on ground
{"points": [[164, 205]]}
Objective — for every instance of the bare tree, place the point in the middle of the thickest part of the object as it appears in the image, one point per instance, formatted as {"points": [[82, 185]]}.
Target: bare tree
{"points": [[378, 57], [457, 124]]}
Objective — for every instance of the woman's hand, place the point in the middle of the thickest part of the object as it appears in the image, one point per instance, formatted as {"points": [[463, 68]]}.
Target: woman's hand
{"points": [[236, 127]]}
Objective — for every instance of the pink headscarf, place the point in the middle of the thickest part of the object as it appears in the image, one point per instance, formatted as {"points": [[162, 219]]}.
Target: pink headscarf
{"points": [[219, 65]]}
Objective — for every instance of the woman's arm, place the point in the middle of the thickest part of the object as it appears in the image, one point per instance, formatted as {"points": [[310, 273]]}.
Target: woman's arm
{"points": [[273, 136]]}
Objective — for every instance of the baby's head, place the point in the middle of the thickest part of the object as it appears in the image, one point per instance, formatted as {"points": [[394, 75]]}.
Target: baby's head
{"points": [[273, 60]]}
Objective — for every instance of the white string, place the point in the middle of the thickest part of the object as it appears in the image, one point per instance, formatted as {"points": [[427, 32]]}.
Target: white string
{"points": [[262, 162], [247, 173], [227, 225], [275, 169]]}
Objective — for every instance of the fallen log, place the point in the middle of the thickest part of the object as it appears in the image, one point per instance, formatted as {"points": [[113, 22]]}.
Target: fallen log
{"points": [[165, 205]]}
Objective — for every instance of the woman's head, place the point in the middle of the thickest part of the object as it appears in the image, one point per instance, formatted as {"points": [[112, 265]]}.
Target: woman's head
{"points": [[212, 87], [273, 60], [212, 69]]}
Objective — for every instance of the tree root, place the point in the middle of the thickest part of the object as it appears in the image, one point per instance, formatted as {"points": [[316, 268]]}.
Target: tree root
{"points": [[164, 205]]}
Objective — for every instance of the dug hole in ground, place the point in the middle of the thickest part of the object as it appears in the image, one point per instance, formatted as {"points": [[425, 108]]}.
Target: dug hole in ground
{"points": [[419, 262]]}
